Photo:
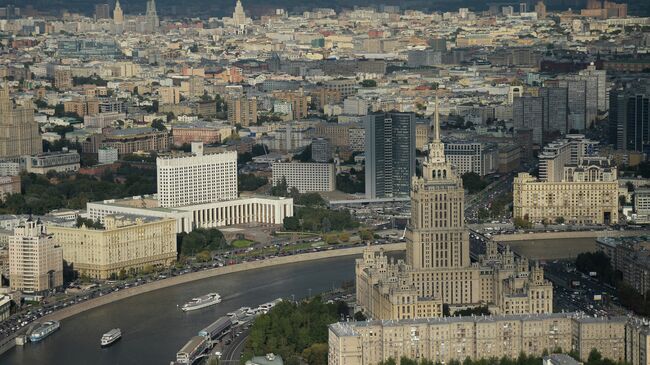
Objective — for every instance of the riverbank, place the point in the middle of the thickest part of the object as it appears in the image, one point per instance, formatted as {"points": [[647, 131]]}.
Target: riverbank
{"points": [[73, 310], [564, 235], [177, 280]]}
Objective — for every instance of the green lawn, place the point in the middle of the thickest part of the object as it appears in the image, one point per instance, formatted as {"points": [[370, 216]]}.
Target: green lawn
{"points": [[241, 243]]}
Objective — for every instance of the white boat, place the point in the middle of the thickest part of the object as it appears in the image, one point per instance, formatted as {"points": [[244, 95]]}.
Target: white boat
{"points": [[43, 330], [111, 336], [202, 302]]}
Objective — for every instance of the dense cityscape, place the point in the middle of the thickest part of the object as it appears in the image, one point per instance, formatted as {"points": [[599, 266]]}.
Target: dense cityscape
{"points": [[446, 182]]}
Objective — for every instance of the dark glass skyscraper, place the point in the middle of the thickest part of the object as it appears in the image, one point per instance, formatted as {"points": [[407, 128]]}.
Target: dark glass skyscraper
{"points": [[390, 154], [629, 121]]}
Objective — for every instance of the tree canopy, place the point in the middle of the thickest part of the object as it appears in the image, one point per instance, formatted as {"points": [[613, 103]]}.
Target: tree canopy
{"points": [[200, 240]]}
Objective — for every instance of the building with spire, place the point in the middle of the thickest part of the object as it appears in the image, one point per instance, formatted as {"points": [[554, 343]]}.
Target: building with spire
{"points": [[437, 270], [118, 18], [239, 16], [19, 133], [152, 22]]}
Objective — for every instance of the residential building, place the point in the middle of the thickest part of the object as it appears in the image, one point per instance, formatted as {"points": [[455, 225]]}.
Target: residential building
{"points": [[642, 205], [9, 185], [35, 259], [321, 151], [242, 110], [389, 153], [63, 78], [298, 100], [586, 194], [82, 106], [528, 113], [19, 132], [471, 157], [130, 140], [196, 178], [631, 257], [208, 133], [5, 307], [568, 150], [128, 243], [306, 177], [107, 155], [446, 339]]}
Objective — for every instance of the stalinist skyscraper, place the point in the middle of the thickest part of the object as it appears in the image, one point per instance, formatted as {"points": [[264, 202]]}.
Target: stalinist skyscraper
{"points": [[438, 269], [118, 18], [239, 16], [152, 22], [19, 134]]}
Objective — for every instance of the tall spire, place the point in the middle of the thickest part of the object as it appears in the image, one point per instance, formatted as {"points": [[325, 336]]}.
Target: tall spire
{"points": [[436, 122]]}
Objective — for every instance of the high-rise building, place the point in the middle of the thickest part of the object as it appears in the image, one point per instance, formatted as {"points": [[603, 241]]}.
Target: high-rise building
{"points": [[239, 16], [321, 151], [540, 9], [63, 78], [528, 113], [629, 120], [152, 22], [125, 243], [196, 178], [242, 110], [35, 259], [555, 109], [390, 154], [118, 18], [102, 11], [19, 133], [565, 151], [438, 269], [298, 101]]}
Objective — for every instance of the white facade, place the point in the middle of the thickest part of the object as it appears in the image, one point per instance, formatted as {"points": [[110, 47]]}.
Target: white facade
{"points": [[305, 176], [262, 210], [197, 178], [106, 155]]}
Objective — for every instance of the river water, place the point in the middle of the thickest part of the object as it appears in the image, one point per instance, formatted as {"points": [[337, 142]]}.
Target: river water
{"points": [[154, 328]]}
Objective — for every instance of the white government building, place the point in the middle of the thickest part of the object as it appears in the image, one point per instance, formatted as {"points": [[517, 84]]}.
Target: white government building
{"points": [[198, 191]]}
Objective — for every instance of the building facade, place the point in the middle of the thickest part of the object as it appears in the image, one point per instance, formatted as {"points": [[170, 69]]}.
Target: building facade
{"points": [[242, 110], [197, 178], [19, 132], [442, 340], [35, 259], [60, 161], [390, 154], [250, 210], [306, 177], [128, 243]]}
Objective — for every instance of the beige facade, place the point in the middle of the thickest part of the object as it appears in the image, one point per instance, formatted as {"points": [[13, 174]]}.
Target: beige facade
{"points": [[126, 243], [35, 259], [587, 195], [242, 110], [457, 338], [437, 269], [19, 133], [298, 100]]}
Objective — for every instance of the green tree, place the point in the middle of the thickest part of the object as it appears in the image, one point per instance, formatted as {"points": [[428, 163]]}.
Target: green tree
{"points": [[158, 124], [315, 354], [368, 83], [365, 234], [473, 182], [559, 220], [202, 240], [291, 224], [522, 223]]}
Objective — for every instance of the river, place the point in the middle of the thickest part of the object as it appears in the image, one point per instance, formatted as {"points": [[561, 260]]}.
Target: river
{"points": [[154, 328]]}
